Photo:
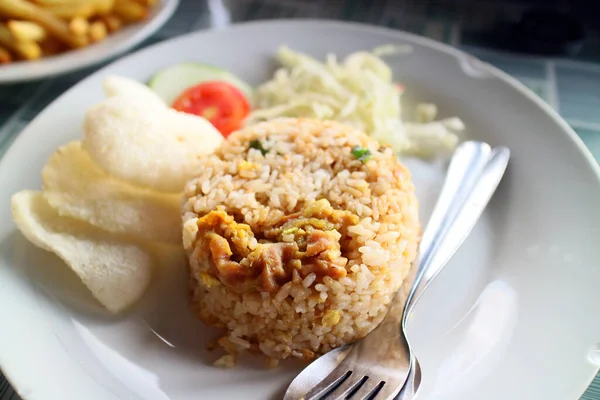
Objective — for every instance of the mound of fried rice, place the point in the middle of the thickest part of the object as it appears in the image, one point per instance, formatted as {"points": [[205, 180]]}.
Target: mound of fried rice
{"points": [[298, 237]]}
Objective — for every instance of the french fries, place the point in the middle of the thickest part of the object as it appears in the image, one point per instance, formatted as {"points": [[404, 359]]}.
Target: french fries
{"points": [[25, 50], [103, 7], [28, 50], [79, 26], [52, 46], [31, 29], [130, 10], [45, 3], [22, 9], [113, 23], [25, 31], [98, 31], [5, 56], [147, 3], [84, 10]]}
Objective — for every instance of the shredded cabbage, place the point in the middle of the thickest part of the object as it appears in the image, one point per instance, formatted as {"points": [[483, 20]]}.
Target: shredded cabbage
{"points": [[358, 91]]}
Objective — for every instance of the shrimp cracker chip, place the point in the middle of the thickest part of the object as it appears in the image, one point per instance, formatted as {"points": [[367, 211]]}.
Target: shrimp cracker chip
{"points": [[115, 85], [140, 142], [116, 272], [78, 188]]}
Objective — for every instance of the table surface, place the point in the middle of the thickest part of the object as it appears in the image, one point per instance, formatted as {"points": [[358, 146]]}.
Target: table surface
{"points": [[571, 86]]}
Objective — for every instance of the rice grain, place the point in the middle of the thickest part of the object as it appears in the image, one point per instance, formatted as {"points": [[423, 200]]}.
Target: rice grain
{"points": [[309, 168]]}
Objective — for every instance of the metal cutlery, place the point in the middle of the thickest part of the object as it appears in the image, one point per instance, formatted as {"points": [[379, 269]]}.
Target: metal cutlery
{"points": [[379, 365]]}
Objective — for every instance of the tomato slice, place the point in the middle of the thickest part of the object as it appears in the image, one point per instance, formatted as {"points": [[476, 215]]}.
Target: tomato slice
{"points": [[221, 103]]}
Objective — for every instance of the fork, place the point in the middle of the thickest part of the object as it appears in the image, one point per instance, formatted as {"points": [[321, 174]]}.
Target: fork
{"points": [[378, 366]]}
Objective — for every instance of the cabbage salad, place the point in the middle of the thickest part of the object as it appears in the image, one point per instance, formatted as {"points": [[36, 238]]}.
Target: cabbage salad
{"points": [[358, 91]]}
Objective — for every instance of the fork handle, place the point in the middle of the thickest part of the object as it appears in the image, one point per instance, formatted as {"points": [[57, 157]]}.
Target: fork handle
{"points": [[474, 173], [466, 165], [457, 211]]}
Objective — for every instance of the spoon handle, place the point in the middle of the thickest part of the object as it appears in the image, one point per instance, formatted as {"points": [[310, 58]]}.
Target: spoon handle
{"points": [[473, 175]]}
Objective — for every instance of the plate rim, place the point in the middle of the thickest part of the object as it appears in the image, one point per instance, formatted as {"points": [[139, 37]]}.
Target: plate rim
{"points": [[459, 54], [12, 75]]}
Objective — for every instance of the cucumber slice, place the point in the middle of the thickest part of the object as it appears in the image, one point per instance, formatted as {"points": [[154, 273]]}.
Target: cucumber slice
{"points": [[171, 82]]}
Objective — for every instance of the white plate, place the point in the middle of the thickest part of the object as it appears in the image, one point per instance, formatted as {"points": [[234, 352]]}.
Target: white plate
{"points": [[113, 45], [514, 316]]}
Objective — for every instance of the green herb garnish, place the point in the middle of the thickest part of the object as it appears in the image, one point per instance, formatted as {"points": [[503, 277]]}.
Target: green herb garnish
{"points": [[256, 144], [361, 153]]}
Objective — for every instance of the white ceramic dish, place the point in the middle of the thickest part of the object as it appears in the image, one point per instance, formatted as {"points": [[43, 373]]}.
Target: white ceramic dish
{"points": [[514, 316], [114, 45]]}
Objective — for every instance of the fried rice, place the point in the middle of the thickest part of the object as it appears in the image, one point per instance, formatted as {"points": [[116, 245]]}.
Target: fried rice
{"points": [[298, 232]]}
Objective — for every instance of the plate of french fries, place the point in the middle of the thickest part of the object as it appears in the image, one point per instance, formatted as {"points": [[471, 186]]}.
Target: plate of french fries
{"points": [[41, 38]]}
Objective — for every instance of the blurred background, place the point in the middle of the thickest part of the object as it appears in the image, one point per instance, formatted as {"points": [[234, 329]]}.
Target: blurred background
{"points": [[468, 22]]}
